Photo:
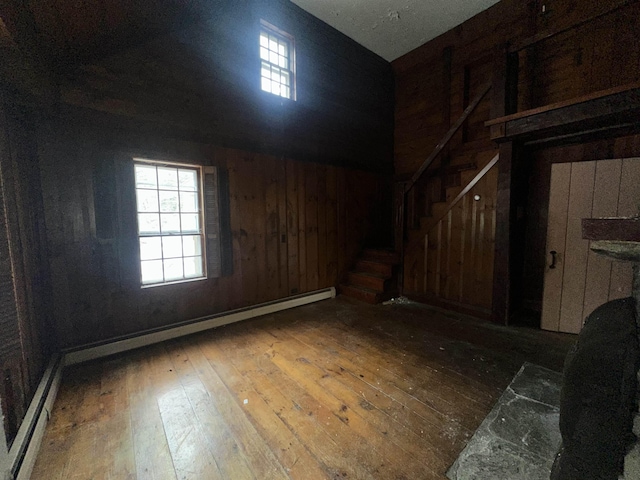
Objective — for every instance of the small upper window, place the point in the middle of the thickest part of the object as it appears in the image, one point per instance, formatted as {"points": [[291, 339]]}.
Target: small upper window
{"points": [[277, 56], [170, 230]]}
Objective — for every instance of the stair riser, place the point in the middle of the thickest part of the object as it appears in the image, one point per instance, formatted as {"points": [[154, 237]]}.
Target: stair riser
{"points": [[374, 283], [363, 296], [391, 258], [377, 268]]}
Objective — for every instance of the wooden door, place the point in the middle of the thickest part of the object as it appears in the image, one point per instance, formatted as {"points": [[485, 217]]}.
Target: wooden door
{"points": [[581, 280]]}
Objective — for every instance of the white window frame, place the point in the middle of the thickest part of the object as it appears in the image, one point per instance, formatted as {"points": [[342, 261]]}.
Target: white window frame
{"points": [[199, 231], [272, 72]]}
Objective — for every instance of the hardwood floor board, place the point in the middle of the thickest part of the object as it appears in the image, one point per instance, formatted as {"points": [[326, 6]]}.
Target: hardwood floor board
{"points": [[350, 407], [485, 374], [218, 439], [298, 415], [229, 394], [114, 455], [191, 457], [71, 435], [333, 390], [415, 413], [430, 404], [150, 447], [429, 370], [353, 449]]}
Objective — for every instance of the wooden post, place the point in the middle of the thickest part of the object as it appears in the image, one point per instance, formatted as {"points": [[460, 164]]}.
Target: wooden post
{"points": [[501, 299], [400, 205], [504, 102]]}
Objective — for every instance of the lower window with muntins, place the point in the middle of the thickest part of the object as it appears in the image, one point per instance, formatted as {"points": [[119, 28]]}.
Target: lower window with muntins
{"points": [[170, 222]]}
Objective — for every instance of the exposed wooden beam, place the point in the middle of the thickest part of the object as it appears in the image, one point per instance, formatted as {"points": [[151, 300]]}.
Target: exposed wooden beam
{"points": [[601, 110]]}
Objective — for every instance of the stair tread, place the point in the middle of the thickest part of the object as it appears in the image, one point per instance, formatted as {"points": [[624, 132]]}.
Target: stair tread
{"points": [[369, 274], [359, 287]]}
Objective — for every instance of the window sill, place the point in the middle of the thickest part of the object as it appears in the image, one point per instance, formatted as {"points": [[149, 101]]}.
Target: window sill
{"points": [[176, 282]]}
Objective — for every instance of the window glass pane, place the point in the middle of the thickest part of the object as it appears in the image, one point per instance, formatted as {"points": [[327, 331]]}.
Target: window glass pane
{"points": [[168, 201], [192, 267], [264, 53], [166, 198], [150, 248], [188, 202], [282, 49], [273, 43], [191, 245], [266, 85], [190, 222], [273, 57], [168, 178], [170, 222], [145, 176], [188, 180], [148, 223], [151, 271], [264, 41], [147, 200], [173, 269], [172, 247], [286, 92]]}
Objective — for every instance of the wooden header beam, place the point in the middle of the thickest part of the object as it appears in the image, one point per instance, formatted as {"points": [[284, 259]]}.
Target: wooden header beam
{"points": [[605, 110]]}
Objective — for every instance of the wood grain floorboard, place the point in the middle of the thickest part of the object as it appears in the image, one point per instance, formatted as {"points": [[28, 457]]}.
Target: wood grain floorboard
{"points": [[333, 390]]}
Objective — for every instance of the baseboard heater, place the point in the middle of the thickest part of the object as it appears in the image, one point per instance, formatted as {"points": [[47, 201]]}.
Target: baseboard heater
{"points": [[25, 447]]}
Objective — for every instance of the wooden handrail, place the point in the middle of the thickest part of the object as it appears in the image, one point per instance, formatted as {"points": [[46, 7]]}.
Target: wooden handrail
{"points": [[452, 131]]}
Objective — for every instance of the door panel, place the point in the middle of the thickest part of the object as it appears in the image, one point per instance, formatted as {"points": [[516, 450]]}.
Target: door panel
{"points": [[582, 280], [605, 204], [556, 238]]}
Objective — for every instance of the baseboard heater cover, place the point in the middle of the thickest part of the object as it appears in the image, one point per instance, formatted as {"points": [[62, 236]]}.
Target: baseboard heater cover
{"points": [[24, 450], [25, 446], [123, 344]]}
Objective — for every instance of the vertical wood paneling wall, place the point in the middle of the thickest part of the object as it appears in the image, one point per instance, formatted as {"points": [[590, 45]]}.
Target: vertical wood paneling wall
{"points": [[24, 288], [580, 48], [458, 253], [296, 227], [302, 193]]}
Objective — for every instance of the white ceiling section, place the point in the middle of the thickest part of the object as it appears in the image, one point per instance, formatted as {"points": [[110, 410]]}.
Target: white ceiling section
{"points": [[392, 28]]}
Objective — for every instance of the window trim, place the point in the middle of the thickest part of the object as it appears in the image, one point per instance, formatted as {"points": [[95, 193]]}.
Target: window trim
{"points": [[201, 219], [290, 39]]}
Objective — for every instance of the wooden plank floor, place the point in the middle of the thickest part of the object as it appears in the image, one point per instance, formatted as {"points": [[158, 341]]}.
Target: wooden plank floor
{"points": [[337, 389]]}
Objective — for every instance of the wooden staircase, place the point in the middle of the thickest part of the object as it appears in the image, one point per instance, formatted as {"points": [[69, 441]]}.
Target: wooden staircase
{"points": [[427, 208], [373, 278]]}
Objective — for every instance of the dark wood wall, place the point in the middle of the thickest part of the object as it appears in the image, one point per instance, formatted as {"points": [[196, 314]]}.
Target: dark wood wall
{"points": [[25, 321], [305, 177], [308, 180], [202, 82], [295, 227], [573, 48]]}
